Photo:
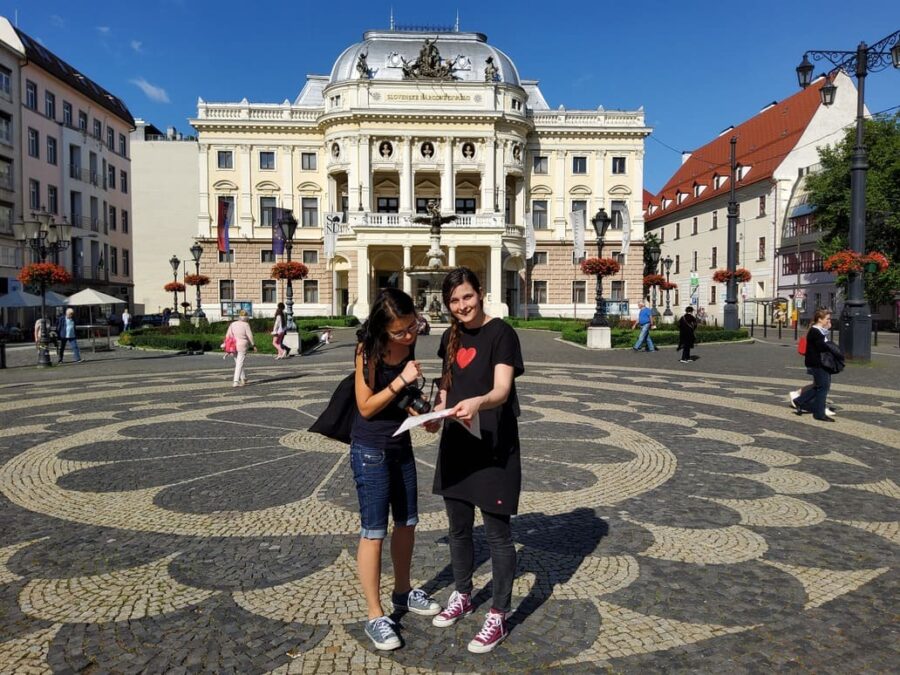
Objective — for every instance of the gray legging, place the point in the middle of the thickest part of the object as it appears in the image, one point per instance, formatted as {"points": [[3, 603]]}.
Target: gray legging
{"points": [[461, 515]]}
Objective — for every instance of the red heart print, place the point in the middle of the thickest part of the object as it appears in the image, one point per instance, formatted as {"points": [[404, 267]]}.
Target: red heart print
{"points": [[465, 356]]}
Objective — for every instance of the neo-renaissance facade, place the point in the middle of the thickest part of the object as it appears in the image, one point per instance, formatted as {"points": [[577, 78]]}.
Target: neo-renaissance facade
{"points": [[404, 118]]}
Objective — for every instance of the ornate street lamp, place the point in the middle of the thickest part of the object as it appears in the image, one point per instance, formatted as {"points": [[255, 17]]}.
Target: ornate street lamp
{"points": [[43, 235], [175, 263], [654, 252], [730, 313], [288, 225], [196, 252], [667, 264], [601, 223], [856, 319]]}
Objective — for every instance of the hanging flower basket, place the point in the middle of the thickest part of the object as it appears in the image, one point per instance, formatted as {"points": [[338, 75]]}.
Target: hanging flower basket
{"points": [[604, 267], [654, 280], [741, 275], [196, 280], [668, 285], [174, 287], [46, 274], [847, 262], [289, 270]]}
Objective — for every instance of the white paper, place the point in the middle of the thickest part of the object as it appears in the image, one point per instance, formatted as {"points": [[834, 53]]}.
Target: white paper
{"points": [[473, 426]]}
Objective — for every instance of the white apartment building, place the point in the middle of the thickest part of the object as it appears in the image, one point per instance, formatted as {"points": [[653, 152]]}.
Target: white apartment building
{"points": [[774, 150]]}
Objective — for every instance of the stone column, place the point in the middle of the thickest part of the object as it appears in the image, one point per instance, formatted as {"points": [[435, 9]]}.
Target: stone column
{"points": [[361, 308], [245, 153], [558, 217], [406, 188], [334, 199], [365, 172], [354, 182], [448, 179], [599, 173], [497, 307], [451, 257], [501, 179], [520, 202], [407, 262], [488, 176], [203, 217], [287, 177]]}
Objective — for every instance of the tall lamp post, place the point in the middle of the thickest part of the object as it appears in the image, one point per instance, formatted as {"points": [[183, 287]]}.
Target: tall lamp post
{"points": [[601, 223], [45, 237], [196, 252], [667, 265], [175, 262], [288, 225], [654, 258], [856, 320]]}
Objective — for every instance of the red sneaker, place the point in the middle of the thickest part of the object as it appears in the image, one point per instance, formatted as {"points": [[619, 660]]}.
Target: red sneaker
{"points": [[459, 605], [492, 633]]}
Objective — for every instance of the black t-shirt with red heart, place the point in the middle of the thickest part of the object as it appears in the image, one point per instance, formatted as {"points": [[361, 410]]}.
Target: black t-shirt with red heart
{"points": [[487, 473]]}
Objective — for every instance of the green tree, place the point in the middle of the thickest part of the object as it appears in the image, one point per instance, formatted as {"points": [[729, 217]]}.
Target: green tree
{"points": [[651, 242], [829, 190]]}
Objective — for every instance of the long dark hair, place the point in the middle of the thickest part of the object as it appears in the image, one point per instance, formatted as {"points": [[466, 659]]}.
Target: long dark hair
{"points": [[459, 276], [372, 336], [279, 310]]}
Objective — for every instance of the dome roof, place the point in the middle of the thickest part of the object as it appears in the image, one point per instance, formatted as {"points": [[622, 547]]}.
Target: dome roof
{"points": [[386, 50]]}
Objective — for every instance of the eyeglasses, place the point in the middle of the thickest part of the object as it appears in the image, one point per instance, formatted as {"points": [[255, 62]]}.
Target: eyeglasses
{"points": [[411, 329]]}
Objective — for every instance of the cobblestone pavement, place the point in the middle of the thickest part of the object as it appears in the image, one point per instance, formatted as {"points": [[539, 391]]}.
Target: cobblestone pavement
{"points": [[678, 518]]}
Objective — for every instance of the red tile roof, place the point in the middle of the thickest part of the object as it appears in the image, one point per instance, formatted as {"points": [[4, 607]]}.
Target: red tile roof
{"points": [[763, 141]]}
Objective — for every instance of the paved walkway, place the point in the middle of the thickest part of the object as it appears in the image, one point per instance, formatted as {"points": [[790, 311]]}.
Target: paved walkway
{"points": [[675, 517]]}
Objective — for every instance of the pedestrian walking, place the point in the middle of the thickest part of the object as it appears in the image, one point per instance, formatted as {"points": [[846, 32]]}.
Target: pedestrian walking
{"points": [[687, 334], [813, 399], [481, 359], [384, 467], [65, 328], [645, 321], [240, 331], [278, 331], [126, 320]]}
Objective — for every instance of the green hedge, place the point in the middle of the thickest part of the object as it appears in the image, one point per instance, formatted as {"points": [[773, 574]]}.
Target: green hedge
{"points": [[258, 325], [623, 337], [205, 342]]}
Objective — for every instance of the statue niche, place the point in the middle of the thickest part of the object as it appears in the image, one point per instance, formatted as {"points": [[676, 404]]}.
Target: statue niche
{"points": [[428, 65]]}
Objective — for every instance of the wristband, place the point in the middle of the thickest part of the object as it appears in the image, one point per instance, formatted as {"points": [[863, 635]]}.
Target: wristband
{"points": [[405, 383], [391, 389]]}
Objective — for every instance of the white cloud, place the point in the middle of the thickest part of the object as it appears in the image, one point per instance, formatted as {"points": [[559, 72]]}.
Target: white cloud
{"points": [[153, 92], [57, 21], [103, 30], [137, 46]]}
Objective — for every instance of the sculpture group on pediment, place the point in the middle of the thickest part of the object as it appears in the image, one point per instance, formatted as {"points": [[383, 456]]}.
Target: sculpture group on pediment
{"points": [[428, 65]]}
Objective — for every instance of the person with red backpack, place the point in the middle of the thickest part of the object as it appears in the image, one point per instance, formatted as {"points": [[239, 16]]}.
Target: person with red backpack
{"points": [[812, 398]]}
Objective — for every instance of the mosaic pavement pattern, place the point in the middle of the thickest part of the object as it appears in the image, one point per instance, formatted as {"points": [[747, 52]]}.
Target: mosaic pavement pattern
{"points": [[668, 521]]}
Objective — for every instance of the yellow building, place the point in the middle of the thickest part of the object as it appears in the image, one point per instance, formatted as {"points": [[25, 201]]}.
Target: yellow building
{"points": [[403, 118]]}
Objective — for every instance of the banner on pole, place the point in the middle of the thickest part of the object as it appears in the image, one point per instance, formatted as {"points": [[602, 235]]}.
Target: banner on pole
{"points": [[620, 210], [223, 224], [332, 229], [578, 220], [277, 231], [529, 236]]}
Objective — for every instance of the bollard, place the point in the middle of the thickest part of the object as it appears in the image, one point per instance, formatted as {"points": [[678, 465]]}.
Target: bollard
{"points": [[796, 329], [752, 326], [2, 353], [765, 329], [779, 330], [875, 330]]}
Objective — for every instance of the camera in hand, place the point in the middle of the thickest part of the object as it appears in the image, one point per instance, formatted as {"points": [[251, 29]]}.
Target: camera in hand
{"points": [[411, 397]]}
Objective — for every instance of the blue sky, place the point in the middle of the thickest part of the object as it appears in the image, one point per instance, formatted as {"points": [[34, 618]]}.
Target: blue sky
{"points": [[695, 67]]}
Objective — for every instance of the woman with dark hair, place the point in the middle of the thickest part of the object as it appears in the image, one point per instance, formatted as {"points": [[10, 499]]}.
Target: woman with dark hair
{"points": [[812, 399], [278, 331], [481, 358], [383, 465]]}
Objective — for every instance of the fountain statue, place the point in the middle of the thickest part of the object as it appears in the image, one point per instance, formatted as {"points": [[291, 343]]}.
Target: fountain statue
{"points": [[434, 270]]}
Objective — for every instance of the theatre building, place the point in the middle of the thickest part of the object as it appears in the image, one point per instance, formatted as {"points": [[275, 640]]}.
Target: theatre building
{"points": [[403, 118]]}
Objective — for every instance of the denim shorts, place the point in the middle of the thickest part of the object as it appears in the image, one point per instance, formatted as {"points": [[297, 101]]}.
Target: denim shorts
{"points": [[385, 479]]}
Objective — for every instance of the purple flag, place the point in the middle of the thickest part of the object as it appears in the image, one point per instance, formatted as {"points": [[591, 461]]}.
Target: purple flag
{"points": [[277, 232]]}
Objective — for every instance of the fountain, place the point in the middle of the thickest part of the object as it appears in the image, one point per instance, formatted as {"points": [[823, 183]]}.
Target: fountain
{"points": [[434, 270]]}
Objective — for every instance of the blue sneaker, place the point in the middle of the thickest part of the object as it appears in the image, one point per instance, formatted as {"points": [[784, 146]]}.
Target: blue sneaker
{"points": [[382, 634], [416, 601]]}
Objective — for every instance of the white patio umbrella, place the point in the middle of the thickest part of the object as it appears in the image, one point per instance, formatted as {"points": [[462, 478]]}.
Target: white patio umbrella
{"points": [[90, 297], [20, 299]]}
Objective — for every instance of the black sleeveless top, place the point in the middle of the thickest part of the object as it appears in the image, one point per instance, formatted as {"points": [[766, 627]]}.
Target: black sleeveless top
{"points": [[376, 432]]}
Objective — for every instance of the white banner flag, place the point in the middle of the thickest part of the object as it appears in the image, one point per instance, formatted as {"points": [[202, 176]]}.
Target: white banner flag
{"points": [[578, 220], [529, 236], [332, 227], [622, 207]]}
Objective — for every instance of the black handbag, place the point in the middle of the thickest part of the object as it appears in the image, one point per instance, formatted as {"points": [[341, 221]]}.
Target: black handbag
{"points": [[337, 419], [832, 358]]}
